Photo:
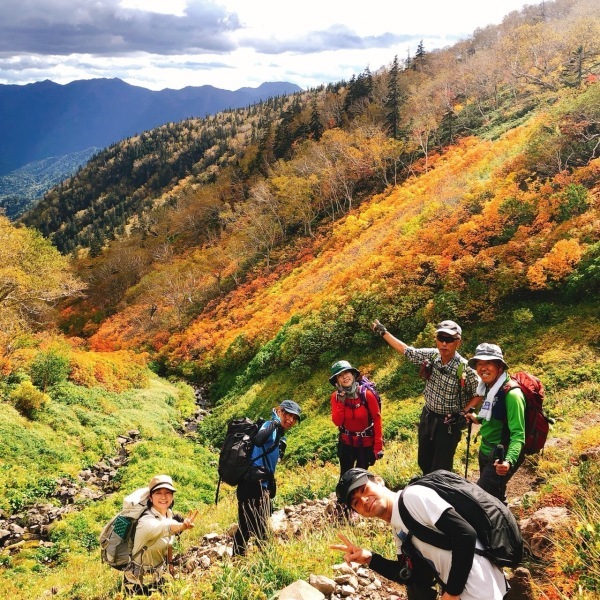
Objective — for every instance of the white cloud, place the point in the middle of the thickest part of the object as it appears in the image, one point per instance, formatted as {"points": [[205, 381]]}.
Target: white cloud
{"points": [[225, 43]]}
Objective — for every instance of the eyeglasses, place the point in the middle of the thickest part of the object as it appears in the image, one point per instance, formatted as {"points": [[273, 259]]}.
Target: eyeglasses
{"points": [[446, 339]]}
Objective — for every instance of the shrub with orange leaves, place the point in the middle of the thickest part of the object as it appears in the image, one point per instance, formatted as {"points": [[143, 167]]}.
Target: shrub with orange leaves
{"points": [[555, 265]]}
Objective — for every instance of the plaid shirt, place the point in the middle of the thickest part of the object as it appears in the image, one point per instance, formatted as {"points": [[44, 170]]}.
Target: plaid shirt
{"points": [[442, 391]]}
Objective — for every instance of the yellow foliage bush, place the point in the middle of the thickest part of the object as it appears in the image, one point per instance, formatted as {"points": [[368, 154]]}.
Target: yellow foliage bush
{"points": [[28, 399], [113, 371]]}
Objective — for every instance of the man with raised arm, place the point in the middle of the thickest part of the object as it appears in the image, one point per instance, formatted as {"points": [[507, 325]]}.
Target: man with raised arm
{"points": [[450, 391]]}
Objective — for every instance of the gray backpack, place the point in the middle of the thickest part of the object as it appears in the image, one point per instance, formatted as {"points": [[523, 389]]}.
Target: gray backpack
{"points": [[116, 538]]}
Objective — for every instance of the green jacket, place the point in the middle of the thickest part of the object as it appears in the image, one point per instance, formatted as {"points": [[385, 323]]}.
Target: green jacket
{"points": [[507, 425]]}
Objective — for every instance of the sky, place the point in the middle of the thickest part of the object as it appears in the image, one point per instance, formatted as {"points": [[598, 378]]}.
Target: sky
{"points": [[228, 44]]}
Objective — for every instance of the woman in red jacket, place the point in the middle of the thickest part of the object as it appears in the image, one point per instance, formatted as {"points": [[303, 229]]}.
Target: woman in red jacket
{"points": [[356, 412]]}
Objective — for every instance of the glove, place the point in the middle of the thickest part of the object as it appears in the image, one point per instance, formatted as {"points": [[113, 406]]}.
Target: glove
{"points": [[456, 418], [379, 328], [282, 447]]}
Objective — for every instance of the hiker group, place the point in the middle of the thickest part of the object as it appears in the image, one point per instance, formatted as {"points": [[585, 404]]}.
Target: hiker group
{"points": [[439, 537]]}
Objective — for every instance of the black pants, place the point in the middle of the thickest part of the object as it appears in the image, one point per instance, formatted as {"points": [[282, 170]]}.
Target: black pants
{"points": [[354, 456], [254, 510], [421, 585], [489, 480], [437, 442]]}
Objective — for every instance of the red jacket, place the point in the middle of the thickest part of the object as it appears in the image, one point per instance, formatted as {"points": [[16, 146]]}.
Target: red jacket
{"points": [[352, 415]]}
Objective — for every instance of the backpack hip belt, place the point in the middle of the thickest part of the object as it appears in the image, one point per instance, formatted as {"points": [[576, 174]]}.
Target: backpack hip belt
{"points": [[367, 432]]}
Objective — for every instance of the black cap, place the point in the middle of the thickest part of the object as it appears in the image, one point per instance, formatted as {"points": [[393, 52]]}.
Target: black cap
{"points": [[349, 481]]}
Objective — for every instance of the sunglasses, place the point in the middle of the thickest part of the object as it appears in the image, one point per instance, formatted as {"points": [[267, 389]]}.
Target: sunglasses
{"points": [[446, 339]]}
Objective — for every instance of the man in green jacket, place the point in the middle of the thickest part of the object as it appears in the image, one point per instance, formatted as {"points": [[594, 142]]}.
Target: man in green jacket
{"points": [[502, 418]]}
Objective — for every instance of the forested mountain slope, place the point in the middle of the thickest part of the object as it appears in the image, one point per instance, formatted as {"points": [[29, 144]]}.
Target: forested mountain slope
{"points": [[45, 119], [465, 178], [20, 189]]}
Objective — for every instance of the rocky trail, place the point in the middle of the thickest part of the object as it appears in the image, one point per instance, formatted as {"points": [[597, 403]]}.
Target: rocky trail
{"points": [[31, 524]]}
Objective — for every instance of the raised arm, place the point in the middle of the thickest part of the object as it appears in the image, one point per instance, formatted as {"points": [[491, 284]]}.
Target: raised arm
{"points": [[394, 342]]}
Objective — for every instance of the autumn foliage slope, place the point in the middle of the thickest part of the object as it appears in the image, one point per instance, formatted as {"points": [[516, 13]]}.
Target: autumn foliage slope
{"points": [[463, 238]]}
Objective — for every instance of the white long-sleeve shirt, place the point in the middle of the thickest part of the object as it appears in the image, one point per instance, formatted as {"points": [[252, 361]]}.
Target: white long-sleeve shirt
{"points": [[486, 581], [151, 542]]}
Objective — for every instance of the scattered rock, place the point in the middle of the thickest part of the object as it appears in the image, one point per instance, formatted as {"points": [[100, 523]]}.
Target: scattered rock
{"points": [[590, 454], [202, 410], [521, 585], [300, 590], [536, 528], [92, 484], [322, 583]]}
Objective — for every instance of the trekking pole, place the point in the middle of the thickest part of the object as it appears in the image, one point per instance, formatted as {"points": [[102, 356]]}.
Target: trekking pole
{"points": [[218, 488], [468, 445]]}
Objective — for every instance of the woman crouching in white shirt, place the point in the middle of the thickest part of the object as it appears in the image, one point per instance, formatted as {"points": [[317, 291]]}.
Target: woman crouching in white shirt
{"points": [[154, 537]]}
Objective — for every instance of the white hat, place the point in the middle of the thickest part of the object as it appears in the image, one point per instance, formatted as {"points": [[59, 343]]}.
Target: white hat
{"points": [[487, 352], [161, 481]]}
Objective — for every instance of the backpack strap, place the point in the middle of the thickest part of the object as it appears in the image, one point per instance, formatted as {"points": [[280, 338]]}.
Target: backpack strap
{"points": [[428, 365], [424, 533], [266, 452], [368, 430], [134, 525], [420, 531], [362, 394], [511, 384], [460, 373], [408, 546]]}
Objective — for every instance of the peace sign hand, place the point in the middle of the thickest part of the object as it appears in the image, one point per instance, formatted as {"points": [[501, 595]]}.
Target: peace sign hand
{"points": [[352, 552], [188, 522]]}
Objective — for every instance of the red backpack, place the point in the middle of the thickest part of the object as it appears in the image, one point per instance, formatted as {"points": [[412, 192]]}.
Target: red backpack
{"points": [[537, 424]]}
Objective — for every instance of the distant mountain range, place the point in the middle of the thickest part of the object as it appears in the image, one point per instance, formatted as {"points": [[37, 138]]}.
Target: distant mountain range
{"points": [[46, 119]]}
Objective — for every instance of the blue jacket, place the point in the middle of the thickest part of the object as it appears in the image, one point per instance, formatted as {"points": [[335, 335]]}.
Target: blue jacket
{"points": [[267, 439]]}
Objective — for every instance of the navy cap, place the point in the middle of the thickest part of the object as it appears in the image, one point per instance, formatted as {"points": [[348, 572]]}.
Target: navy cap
{"points": [[291, 407]]}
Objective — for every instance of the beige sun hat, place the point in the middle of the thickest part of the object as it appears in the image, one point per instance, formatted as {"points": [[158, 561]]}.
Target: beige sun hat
{"points": [[161, 481]]}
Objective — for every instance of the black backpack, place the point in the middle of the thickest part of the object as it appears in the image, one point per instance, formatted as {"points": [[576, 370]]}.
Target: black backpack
{"points": [[496, 526], [234, 457]]}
